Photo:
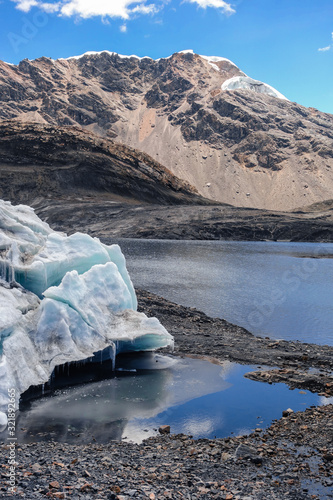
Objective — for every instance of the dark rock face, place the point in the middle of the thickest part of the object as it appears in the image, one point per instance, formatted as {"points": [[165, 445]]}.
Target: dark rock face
{"points": [[260, 151], [42, 161]]}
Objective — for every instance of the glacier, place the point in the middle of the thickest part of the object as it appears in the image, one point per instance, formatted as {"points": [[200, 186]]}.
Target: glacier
{"points": [[62, 299], [247, 83]]}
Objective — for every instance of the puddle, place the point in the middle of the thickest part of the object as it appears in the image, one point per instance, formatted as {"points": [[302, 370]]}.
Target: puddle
{"points": [[193, 396]]}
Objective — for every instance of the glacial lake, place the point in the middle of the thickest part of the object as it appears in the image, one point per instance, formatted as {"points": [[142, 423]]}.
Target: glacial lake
{"points": [[282, 290], [276, 289]]}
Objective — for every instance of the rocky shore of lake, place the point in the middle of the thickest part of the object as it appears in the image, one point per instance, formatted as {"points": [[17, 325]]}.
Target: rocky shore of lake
{"points": [[291, 459], [306, 366]]}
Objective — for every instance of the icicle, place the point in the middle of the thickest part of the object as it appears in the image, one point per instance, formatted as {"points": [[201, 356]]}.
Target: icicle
{"points": [[43, 386], [112, 354], [7, 270]]}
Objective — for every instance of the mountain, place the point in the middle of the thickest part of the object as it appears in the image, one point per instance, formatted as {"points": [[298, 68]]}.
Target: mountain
{"points": [[235, 139], [40, 161]]}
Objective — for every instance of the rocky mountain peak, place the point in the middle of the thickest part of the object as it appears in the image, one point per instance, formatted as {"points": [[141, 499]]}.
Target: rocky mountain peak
{"points": [[235, 139]]}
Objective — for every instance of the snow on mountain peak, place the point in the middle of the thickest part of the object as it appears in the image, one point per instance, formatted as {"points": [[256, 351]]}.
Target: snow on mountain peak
{"points": [[215, 59], [210, 59], [94, 53], [247, 83]]}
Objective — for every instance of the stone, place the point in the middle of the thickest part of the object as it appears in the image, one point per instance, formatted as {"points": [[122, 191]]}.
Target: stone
{"points": [[54, 484], [244, 452], [164, 429]]}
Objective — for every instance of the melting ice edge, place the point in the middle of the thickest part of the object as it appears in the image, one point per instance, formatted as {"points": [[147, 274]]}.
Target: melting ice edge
{"points": [[62, 299]]}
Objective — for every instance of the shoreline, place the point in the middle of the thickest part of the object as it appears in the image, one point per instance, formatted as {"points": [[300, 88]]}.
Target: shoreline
{"points": [[293, 458], [195, 333]]}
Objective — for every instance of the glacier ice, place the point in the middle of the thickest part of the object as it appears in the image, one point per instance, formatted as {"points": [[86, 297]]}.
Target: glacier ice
{"points": [[247, 83], [62, 299], [37, 257]]}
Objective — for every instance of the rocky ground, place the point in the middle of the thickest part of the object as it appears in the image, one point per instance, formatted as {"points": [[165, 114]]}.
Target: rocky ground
{"points": [[108, 219], [293, 458]]}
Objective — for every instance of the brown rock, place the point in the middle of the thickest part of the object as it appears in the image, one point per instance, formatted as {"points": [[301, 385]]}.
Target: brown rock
{"points": [[54, 484], [164, 429], [85, 487]]}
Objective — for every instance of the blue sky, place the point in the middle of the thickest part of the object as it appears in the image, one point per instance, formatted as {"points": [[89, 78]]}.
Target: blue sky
{"points": [[285, 43]]}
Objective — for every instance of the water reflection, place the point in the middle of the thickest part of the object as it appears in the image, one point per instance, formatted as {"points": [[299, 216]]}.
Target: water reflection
{"points": [[143, 387], [193, 396]]}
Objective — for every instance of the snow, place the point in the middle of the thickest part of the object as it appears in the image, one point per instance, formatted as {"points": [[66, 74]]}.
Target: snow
{"points": [[188, 51], [214, 66], [215, 59], [211, 59], [62, 299], [245, 82], [94, 53]]}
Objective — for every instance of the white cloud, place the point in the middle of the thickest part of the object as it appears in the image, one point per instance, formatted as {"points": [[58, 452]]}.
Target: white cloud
{"points": [[124, 9], [90, 8], [123, 28], [50, 8], [145, 9], [325, 49], [329, 47], [217, 4], [26, 5]]}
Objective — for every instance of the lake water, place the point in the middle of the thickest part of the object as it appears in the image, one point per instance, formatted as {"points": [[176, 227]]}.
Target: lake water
{"points": [[282, 290], [193, 396]]}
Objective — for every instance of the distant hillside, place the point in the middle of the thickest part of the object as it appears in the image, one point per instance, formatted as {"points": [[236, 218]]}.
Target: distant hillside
{"points": [[235, 139], [43, 161]]}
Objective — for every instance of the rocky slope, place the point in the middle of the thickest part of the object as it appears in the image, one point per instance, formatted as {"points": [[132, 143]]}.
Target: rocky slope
{"points": [[109, 220], [45, 162], [241, 146]]}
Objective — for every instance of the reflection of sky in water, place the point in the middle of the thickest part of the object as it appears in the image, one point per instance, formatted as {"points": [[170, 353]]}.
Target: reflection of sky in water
{"points": [[191, 395], [246, 405], [269, 288], [325, 401]]}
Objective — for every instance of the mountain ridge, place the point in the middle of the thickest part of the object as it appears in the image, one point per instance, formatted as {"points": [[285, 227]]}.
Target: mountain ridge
{"points": [[235, 146]]}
